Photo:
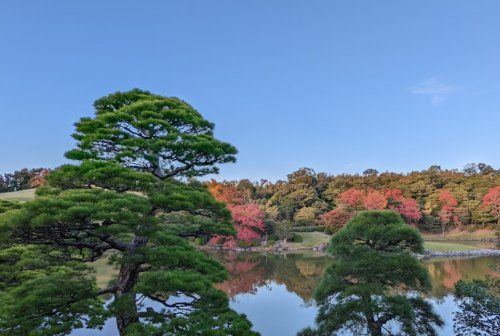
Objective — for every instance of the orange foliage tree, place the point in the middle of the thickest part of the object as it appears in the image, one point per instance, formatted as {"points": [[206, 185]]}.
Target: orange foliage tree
{"points": [[492, 201]]}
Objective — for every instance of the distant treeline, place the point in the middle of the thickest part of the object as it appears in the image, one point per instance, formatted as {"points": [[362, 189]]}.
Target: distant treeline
{"points": [[23, 179], [434, 199]]}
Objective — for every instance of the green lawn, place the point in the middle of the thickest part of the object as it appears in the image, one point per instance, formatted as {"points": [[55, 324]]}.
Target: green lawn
{"points": [[316, 238], [440, 246], [312, 239], [21, 195]]}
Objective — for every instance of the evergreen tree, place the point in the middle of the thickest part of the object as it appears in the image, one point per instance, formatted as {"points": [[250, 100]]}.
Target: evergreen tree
{"points": [[127, 201], [366, 287]]}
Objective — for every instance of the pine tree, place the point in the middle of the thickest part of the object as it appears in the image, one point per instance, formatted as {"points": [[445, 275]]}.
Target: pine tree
{"points": [[364, 290], [128, 200]]}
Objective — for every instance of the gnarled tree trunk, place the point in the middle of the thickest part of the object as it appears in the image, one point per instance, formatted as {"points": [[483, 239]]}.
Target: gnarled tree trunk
{"points": [[125, 284]]}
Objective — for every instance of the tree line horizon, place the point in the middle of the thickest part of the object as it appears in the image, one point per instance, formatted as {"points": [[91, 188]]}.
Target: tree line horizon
{"points": [[433, 199]]}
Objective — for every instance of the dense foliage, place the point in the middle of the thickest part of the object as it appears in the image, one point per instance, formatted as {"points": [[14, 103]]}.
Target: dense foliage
{"points": [[23, 179], [367, 288], [127, 202], [432, 199]]}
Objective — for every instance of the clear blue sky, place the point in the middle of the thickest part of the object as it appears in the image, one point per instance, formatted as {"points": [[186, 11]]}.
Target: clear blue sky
{"points": [[339, 86]]}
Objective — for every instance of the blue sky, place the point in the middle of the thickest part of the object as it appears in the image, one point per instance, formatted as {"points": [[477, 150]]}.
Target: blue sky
{"points": [[339, 86]]}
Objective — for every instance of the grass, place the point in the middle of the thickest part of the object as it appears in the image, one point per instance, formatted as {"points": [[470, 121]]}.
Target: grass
{"points": [[104, 272], [445, 247], [21, 195], [481, 234], [312, 239]]}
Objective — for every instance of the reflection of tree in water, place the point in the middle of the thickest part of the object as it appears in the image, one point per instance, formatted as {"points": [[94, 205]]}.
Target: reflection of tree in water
{"points": [[248, 271], [479, 303], [300, 274], [446, 272]]}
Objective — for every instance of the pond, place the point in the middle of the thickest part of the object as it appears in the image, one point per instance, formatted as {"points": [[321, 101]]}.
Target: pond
{"points": [[275, 291]]}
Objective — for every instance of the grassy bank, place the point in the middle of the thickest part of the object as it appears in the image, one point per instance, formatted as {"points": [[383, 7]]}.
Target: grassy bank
{"points": [[481, 235], [311, 239], [21, 195], [447, 247]]}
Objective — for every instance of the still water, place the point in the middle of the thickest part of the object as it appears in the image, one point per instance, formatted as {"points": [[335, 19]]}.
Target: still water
{"points": [[275, 291]]}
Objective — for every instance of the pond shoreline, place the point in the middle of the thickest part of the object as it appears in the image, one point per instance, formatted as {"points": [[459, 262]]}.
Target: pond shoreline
{"points": [[427, 254], [469, 253]]}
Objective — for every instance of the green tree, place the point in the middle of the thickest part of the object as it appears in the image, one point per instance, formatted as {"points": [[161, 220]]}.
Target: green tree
{"points": [[282, 229], [306, 216], [362, 289], [127, 202]]}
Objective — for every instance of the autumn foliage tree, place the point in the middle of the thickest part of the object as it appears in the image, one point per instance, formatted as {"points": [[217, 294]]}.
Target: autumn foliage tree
{"points": [[407, 207], [335, 220], [393, 199], [374, 200], [449, 213], [491, 201], [248, 220], [227, 193], [351, 198]]}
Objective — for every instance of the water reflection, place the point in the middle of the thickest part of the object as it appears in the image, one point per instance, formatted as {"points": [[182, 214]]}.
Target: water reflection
{"points": [[275, 290]]}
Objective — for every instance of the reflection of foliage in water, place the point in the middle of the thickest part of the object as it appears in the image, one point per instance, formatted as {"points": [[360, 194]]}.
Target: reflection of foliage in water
{"points": [[479, 303], [246, 274], [300, 273], [446, 272]]}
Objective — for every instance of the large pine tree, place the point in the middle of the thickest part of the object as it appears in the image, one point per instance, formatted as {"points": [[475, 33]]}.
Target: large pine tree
{"points": [[129, 200]]}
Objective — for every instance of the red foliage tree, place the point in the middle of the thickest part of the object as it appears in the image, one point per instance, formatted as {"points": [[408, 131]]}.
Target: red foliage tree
{"points": [[225, 192], [352, 198], [410, 210], [40, 178], [492, 201], [407, 207], [374, 200], [248, 221], [394, 197], [449, 212], [334, 220]]}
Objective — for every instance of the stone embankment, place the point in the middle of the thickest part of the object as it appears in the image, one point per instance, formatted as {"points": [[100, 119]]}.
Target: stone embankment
{"points": [[469, 253]]}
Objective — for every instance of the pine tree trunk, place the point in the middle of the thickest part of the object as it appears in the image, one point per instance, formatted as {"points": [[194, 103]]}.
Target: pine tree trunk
{"points": [[126, 281], [374, 328]]}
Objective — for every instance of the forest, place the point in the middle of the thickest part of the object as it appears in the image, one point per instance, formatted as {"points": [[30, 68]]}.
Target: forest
{"points": [[433, 200]]}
